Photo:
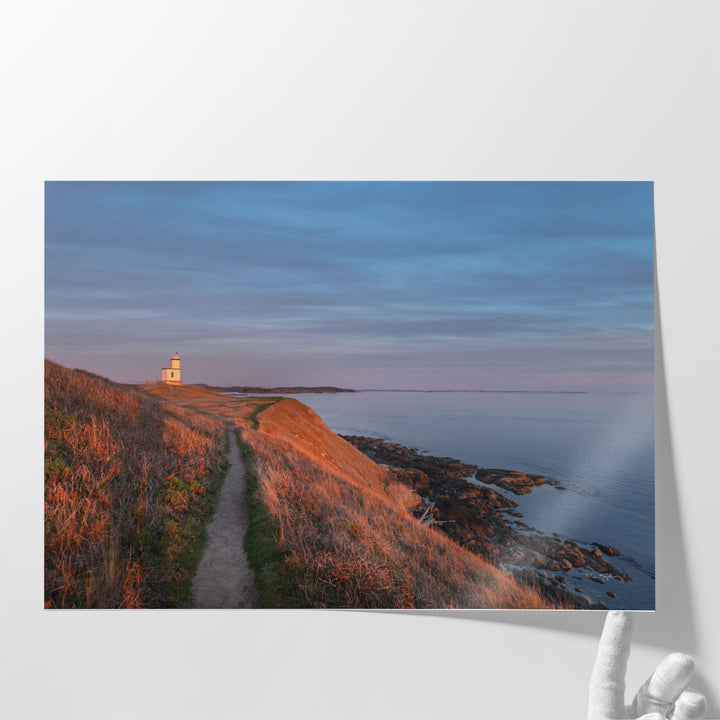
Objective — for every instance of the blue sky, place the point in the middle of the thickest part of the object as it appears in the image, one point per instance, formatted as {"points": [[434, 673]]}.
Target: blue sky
{"points": [[435, 285]]}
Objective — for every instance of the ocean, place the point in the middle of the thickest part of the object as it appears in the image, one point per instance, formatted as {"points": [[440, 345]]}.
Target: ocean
{"points": [[599, 446]]}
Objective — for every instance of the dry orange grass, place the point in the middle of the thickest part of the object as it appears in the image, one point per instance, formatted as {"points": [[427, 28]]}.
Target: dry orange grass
{"points": [[239, 411], [124, 477], [341, 523], [345, 529]]}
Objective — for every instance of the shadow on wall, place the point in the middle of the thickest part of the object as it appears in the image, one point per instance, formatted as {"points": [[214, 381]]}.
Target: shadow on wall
{"points": [[672, 626]]}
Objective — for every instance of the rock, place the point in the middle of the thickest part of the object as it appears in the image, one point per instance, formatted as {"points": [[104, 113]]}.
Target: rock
{"points": [[513, 481], [566, 565], [602, 567], [572, 553], [607, 549], [596, 553], [554, 589], [611, 594]]}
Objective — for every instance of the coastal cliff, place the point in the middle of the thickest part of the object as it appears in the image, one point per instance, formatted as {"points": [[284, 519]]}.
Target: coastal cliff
{"points": [[335, 522], [348, 528], [335, 528]]}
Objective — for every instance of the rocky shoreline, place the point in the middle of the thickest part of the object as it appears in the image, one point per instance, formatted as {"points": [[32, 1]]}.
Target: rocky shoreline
{"points": [[456, 498]]}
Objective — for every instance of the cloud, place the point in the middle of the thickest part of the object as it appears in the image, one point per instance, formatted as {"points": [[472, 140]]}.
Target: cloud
{"points": [[412, 275]]}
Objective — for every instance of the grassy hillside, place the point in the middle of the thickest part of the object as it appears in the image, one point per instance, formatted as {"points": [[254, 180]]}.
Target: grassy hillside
{"points": [[126, 477], [129, 482], [344, 531]]}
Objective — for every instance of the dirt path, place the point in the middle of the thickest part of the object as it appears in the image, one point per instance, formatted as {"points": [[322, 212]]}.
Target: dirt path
{"points": [[224, 579]]}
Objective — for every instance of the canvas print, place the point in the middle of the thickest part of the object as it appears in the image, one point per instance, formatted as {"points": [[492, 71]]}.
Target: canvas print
{"points": [[349, 395]]}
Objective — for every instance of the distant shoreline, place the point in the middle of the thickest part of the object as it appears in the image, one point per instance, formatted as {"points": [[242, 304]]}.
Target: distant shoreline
{"points": [[525, 392], [247, 390], [327, 389]]}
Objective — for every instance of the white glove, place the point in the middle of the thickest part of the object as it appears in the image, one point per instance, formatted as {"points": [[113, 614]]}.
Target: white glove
{"points": [[663, 695]]}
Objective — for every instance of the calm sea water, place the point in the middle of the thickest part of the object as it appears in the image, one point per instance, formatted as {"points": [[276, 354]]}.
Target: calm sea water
{"points": [[599, 446]]}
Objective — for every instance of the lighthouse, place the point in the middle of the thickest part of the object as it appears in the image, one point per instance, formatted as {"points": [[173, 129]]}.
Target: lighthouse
{"points": [[171, 375]]}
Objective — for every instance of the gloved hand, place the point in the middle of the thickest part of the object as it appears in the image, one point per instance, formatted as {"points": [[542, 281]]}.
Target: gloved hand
{"points": [[663, 695]]}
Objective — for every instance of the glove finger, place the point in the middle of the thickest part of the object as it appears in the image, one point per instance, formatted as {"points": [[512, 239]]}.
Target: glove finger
{"points": [[607, 683], [664, 686], [690, 705]]}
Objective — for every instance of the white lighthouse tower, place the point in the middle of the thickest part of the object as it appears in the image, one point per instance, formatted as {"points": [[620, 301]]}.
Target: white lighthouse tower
{"points": [[171, 375]]}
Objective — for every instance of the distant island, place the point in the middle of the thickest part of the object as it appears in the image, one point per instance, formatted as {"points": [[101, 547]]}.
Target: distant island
{"points": [[245, 389], [274, 391]]}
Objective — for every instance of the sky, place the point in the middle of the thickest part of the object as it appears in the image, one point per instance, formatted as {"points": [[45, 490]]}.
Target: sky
{"points": [[404, 285]]}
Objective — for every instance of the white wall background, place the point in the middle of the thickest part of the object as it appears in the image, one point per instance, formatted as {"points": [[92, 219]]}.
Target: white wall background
{"points": [[361, 90]]}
